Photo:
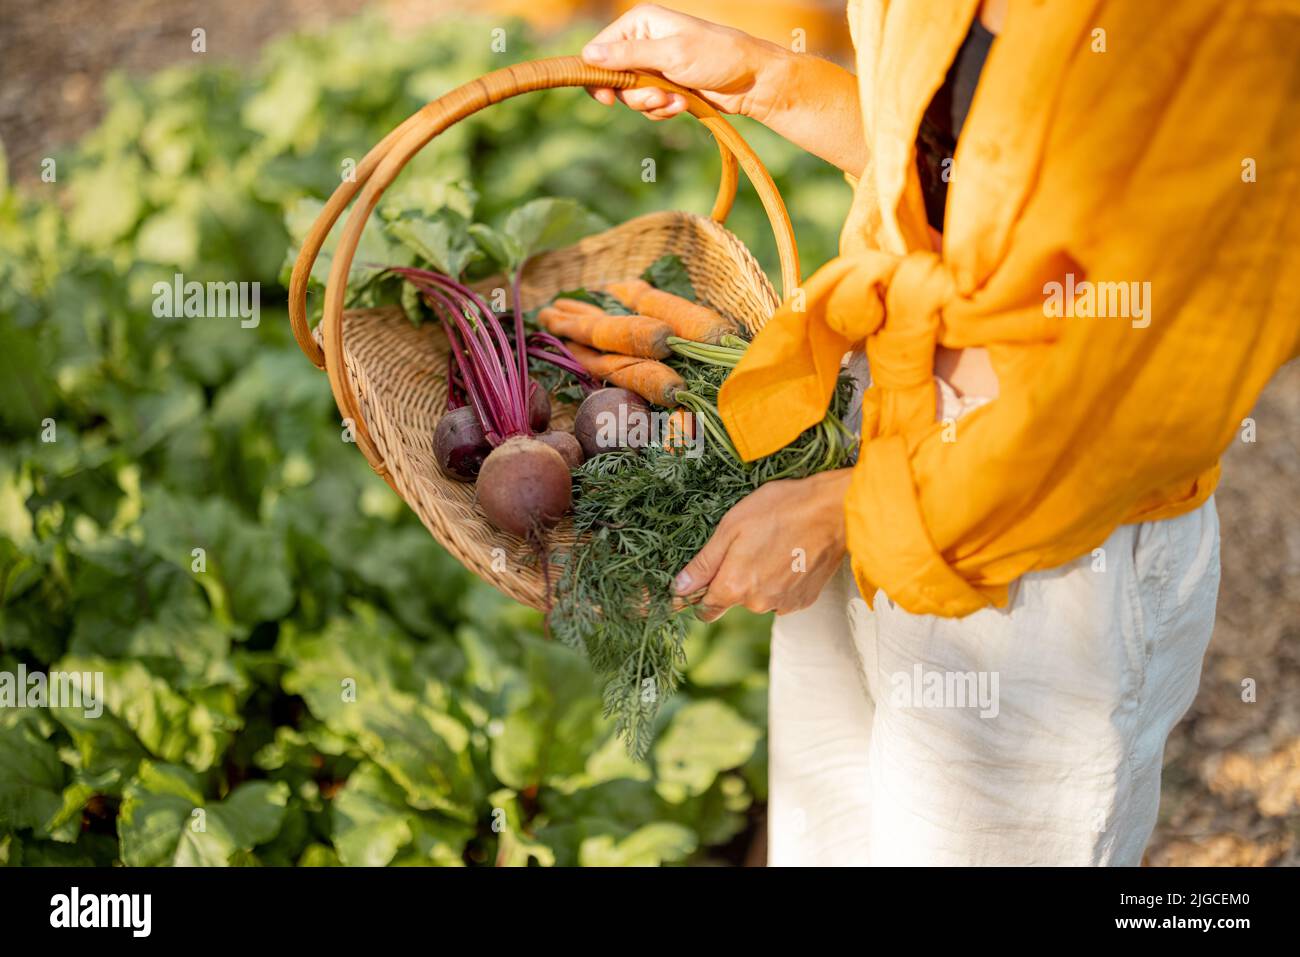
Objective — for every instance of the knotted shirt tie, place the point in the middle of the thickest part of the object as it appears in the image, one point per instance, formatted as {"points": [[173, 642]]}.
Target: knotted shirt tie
{"points": [[893, 304]]}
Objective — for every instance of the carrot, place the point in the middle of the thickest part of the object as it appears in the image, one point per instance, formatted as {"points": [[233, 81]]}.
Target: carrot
{"points": [[679, 432], [628, 335], [687, 319], [629, 290], [578, 307], [653, 381]]}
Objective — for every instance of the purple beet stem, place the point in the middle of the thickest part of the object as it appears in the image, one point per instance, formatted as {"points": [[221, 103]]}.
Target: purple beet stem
{"points": [[544, 346], [488, 402], [496, 387], [519, 332], [455, 384]]}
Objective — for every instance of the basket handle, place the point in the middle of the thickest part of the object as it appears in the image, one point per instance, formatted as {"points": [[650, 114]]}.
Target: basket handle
{"points": [[380, 167]]}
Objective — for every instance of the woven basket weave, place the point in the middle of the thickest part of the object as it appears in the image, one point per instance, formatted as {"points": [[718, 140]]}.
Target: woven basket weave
{"points": [[389, 377]]}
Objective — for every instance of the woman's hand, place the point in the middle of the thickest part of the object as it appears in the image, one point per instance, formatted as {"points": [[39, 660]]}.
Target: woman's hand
{"points": [[810, 101], [731, 70], [774, 550]]}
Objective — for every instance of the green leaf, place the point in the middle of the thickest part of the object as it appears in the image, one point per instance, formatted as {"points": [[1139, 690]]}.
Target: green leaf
{"points": [[319, 855], [549, 223], [373, 825], [730, 651], [195, 728], [106, 201], [31, 777], [170, 236], [158, 824], [648, 846], [502, 249], [363, 680], [443, 240], [27, 392], [547, 735], [669, 274], [703, 739], [515, 846], [375, 251], [242, 566], [282, 106]]}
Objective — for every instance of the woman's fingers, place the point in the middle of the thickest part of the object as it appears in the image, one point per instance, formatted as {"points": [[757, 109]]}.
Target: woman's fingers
{"points": [[655, 103], [709, 613], [643, 20], [699, 571], [674, 104], [659, 56], [649, 98]]}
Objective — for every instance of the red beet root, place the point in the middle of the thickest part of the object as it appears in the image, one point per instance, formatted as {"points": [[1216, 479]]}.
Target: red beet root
{"points": [[564, 443], [539, 408], [612, 419], [459, 444], [524, 487]]}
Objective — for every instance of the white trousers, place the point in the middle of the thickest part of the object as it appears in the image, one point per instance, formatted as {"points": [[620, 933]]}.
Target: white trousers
{"points": [[1032, 734]]}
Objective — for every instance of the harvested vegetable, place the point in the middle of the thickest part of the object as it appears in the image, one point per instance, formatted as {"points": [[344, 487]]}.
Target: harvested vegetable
{"points": [[523, 485], [652, 380], [687, 319], [627, 335], [566, 444], [680, 431], [611, 419], [645, 512], [539, 408], [579, 307], [459, 444]]}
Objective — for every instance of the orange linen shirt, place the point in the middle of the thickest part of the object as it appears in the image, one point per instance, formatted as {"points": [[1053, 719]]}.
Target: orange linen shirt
{"points": [[1122, 235]]}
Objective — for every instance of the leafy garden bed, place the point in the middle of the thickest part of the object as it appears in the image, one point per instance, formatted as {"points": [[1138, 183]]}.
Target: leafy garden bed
{"points": [[319, 682]]}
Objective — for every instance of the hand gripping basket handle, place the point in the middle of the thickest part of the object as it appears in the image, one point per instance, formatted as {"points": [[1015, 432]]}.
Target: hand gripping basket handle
{"points": [[382, 164]]}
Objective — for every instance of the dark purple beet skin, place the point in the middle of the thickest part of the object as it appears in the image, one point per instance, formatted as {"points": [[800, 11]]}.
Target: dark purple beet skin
{"points": [[612, 418], [459, 444], [539, 408], [524, 486], [564, 443]]}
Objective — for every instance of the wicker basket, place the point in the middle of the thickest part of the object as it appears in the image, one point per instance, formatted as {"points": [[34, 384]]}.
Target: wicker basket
{"points": [[388, 377]]}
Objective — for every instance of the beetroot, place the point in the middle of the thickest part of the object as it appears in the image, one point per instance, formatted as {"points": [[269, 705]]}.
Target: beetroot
{"points": [[612, 419], [523, 486], [459, 444], [539, 408], [564, 443]]}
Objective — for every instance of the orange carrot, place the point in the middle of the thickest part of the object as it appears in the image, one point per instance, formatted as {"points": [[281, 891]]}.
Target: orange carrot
{"points": [[653, 381], [679, 432], [688, 320], [629, 290], [628, 335], [578, 307]]}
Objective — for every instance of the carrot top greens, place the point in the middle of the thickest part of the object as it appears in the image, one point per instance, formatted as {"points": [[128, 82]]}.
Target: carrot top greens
{"points": [[647, 512]]}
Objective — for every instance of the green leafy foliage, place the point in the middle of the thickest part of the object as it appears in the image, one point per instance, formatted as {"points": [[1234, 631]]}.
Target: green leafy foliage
{"points": [[669, 274], [284, 648]]}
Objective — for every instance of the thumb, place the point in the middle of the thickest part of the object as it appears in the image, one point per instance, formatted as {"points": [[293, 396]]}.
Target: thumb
{"points": [[657, 56], [700, 570]]}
